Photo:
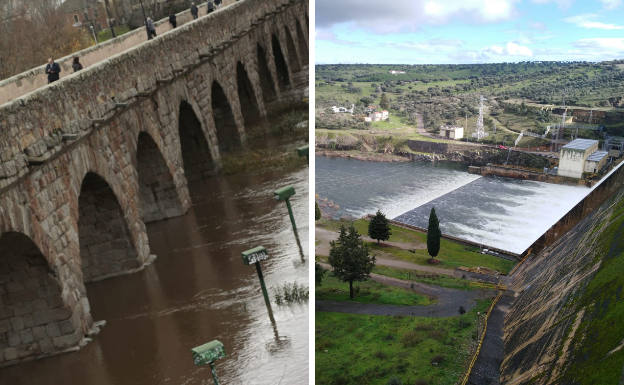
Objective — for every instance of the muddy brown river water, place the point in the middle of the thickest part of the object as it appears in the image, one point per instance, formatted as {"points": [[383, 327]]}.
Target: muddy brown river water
{"points": [[198, 290]]}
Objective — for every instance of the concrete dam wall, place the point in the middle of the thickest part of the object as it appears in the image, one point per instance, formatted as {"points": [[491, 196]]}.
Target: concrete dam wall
{"points": [[565, 324]]}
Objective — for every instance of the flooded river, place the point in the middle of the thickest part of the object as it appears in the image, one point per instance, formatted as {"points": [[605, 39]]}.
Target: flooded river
{"points": [[198, 290], [509, 214]]}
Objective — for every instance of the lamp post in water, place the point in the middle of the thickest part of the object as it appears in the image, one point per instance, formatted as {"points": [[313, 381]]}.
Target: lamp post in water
{"points": [[254, 257], [207, 354], [284, 194]]}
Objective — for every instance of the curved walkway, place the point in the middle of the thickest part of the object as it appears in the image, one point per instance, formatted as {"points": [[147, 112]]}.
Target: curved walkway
{"points": [[447, 305], [324, 236]]}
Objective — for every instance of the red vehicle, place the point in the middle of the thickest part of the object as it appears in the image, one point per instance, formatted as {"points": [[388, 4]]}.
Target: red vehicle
{"points": [[500, 146]]}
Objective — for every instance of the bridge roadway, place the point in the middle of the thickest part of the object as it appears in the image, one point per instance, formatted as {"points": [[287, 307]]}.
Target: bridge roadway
{"points": [[86, 161]]}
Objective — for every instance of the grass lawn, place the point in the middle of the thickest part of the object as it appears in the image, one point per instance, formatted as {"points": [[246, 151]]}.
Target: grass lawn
{"points": [[368, 292], [452, 254], [431, 279], [105, 34], [364, 349]]}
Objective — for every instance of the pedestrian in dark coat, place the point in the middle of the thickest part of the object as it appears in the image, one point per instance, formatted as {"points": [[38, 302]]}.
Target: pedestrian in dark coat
{"points": [[210, 7], [172, 20], [217, 3], [194, 11], [150, 28], [76, 64], [53, 70]]}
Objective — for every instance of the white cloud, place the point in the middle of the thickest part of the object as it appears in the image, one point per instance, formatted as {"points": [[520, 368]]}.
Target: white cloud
{"points": [[587, 21], [563, 4], [410, 15], [514, 49], [611, 4], [510, 49], [603, 45]]}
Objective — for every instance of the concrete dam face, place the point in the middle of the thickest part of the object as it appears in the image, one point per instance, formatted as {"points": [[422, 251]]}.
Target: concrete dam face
{"points": [[565, 325]]}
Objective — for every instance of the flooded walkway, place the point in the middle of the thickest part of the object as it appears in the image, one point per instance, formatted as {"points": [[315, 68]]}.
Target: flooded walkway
{"points": [[198, 290]]}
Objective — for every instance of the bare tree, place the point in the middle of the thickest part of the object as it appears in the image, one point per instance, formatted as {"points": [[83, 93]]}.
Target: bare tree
{"points": [[37, 30]]}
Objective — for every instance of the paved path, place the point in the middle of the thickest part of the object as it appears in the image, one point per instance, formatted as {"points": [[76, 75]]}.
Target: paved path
{"points": [[447, 304], [324, 236]]}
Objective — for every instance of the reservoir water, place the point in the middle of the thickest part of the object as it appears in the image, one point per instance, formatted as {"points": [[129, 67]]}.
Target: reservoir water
{"points": [[198, 290], [509, 214]]}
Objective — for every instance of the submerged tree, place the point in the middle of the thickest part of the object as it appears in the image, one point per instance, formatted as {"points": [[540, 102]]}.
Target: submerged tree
{"points": [[379, 228], [433, 234], [349, 257]]}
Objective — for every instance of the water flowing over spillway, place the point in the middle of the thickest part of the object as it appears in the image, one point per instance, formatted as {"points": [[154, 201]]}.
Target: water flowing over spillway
{"points": [[499, 212]]}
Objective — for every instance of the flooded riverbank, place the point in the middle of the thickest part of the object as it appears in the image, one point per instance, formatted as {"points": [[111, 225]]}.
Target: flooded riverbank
{"points": [[198, 290]]}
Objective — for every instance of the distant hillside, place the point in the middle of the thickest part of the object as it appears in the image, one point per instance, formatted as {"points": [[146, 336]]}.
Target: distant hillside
{"points": [[585, 84]]}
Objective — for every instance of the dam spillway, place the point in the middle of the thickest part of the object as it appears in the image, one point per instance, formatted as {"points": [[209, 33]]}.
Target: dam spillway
{"points": [[505, 213]]}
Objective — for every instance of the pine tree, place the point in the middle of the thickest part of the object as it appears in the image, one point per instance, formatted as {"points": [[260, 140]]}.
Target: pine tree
{"points": [[317, 212], [349, 257], [379, 228], [384, 102], [433, 234]]}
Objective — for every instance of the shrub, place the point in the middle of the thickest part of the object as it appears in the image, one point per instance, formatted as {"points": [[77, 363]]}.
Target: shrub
{"points": [[290, 293], [395, 381], [437, 360], [411, 339]]}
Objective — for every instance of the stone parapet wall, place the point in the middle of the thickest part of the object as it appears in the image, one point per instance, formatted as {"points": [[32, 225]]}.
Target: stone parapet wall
{"points": [[33, 126], [33, 79]]}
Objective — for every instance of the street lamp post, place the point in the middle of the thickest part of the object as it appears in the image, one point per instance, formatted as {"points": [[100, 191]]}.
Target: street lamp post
{"points": [[254, 257], [108, 17], [284, 194], [93, 33], [144, 19], [207, 354]]}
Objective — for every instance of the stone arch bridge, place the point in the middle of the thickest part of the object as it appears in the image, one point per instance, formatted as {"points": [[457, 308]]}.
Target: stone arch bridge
{"points": [[85, 162]]}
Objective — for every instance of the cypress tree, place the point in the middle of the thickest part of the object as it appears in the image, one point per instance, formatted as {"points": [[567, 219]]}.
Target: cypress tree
{"points": [[433, 234]]}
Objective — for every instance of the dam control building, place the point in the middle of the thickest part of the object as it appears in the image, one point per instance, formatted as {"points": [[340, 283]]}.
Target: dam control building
{"points": [[579, 156]]}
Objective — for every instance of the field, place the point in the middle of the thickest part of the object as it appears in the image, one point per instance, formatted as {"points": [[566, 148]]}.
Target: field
{"points": [[452, 254], [518, 96], [366, 349], [369, 291]]}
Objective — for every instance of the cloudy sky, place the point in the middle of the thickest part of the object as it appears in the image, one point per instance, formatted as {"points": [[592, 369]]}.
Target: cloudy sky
{"points": [[468, 31]]}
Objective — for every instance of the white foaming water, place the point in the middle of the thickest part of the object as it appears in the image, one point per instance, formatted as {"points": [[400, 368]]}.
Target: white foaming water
{"points": [[499, 212]]}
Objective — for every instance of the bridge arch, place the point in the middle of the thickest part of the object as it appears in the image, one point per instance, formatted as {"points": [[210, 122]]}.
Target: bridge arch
{"points": [[293, 56], [247, 97], [267, 83], [303, 43], [34, 320], [106, 245], [225, 124], [158, 195], [197, 157], [280, 63]]}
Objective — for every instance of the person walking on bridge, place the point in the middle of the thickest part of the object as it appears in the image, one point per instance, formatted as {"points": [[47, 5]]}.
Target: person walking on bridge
{"points": [[76, 65], [53, 70], [172, 20], [194, 11], [151, 30], [218, 3], [210, 7]]}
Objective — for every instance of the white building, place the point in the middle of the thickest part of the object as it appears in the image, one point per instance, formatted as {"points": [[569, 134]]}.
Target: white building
{"points": [[574, 156], [395, 72], [596, 161], [452, 132], [378, 116], [337, 109]]}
